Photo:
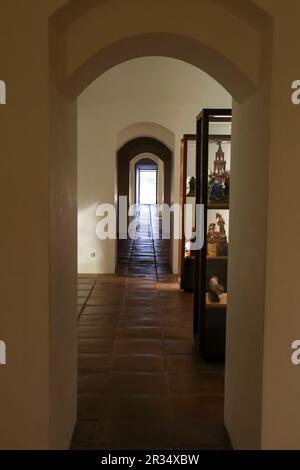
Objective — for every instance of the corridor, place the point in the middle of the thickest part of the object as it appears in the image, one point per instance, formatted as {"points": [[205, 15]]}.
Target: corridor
{"points": [[140, 385]]}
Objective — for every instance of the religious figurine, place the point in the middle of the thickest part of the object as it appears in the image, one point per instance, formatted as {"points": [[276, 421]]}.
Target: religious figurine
{"points": [[221, 225], [217, 244], [215, 289], [191, 186], [212, 235], [216, 190], [222, 242]]}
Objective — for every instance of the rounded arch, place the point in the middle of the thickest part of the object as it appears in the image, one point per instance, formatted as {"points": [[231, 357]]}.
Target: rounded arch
{"points": [[90, 39], [139, 147], [146, 129], [161, 45], [145, 157]]}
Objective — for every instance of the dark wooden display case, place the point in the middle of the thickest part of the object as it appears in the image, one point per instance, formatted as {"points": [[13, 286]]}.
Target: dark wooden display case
{"points": [[213, 127]]}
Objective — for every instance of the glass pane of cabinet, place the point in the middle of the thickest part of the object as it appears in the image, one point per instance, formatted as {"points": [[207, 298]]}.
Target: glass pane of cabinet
{"points": [[188, 201]]}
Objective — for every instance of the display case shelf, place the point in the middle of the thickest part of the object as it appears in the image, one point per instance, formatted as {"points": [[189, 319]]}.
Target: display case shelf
{"points": [[218, 205], [221, 304]]}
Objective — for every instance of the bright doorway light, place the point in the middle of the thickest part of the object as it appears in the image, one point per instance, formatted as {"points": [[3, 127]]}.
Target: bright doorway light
{"points": [[147, 186]]}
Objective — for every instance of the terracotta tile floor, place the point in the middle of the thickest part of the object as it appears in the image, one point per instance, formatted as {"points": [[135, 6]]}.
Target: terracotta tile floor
{"points": [[140, 384]]}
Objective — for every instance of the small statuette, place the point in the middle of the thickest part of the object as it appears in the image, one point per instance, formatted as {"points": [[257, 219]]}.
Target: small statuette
{"points": [[191, 186], [212, 234], [217, 244], [221, 225], [215, 189]]}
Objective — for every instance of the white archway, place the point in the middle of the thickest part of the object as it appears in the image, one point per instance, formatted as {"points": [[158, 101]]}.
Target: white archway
{"points": [[146, 129], [160, 176]]}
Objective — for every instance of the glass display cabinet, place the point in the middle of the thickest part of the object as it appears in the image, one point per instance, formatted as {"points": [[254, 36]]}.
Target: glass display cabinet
{"points": [[187, 197], [213, 174]]}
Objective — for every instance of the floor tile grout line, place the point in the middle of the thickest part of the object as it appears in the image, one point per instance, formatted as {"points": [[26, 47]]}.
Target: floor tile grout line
{"points": [[87, 299]]}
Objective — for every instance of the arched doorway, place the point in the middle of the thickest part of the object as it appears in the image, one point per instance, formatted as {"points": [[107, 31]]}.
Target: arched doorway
{"points": [[146, 162], [138, 147], [146, 182], [78, 62], [128, 156]]}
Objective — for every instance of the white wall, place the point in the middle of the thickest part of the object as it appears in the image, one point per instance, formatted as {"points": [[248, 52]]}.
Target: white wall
{"points": [[158, 90]]}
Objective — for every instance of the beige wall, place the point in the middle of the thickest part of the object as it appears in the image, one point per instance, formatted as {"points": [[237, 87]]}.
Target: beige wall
{"points": [[158, 31], [37, 406], [165, 93], [24, 313], [63, 276], [31, 386], [281, 379], [246, 277]]}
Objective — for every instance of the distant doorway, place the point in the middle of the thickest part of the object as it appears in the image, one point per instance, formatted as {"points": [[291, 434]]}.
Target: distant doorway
{"points": [[146, 184]]}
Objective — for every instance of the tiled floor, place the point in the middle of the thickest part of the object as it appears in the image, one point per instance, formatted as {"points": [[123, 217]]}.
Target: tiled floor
{"points": [[140, 384]]}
